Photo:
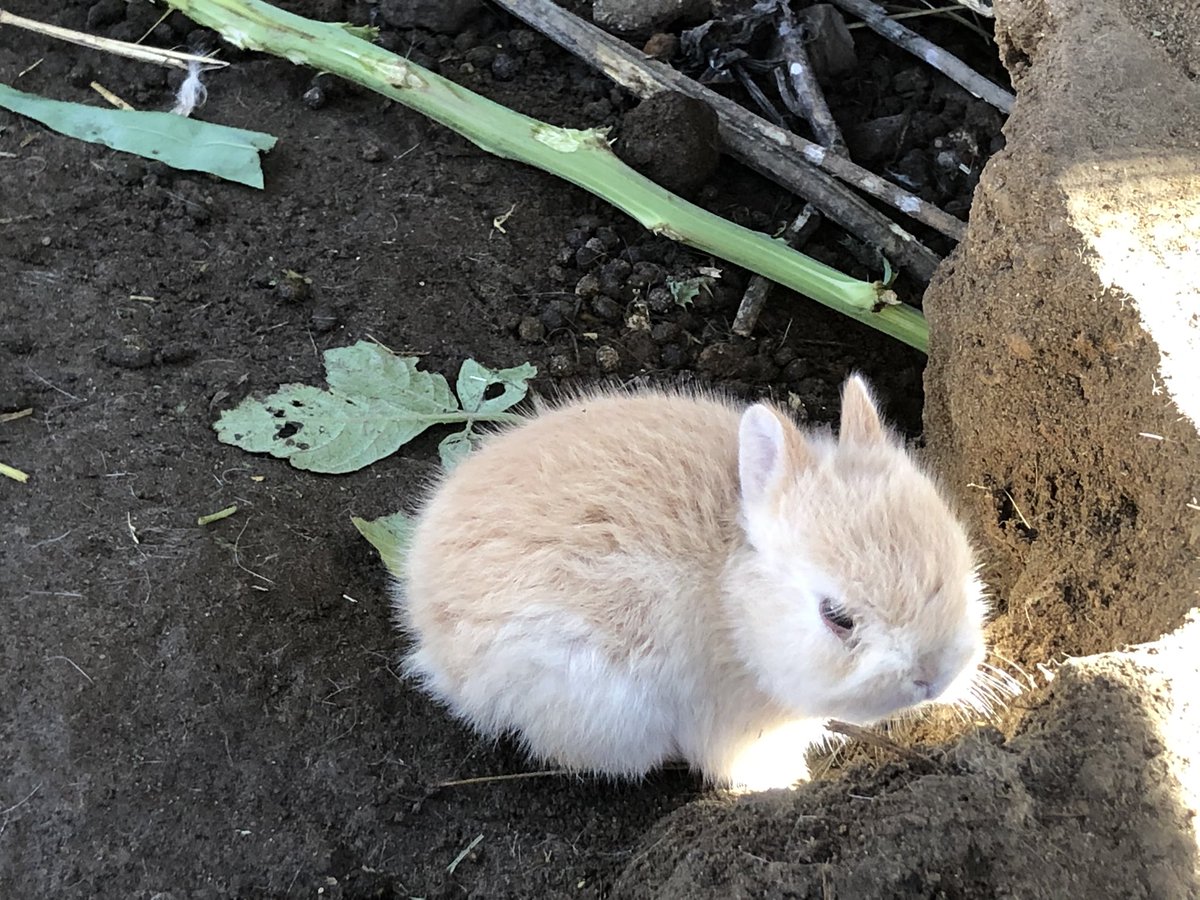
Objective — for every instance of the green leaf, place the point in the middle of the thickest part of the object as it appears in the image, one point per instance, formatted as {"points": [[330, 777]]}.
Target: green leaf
{"points": [[456, 447], [474, 380], [391, 536], [685, 290], [180, 142], [376, 403]]}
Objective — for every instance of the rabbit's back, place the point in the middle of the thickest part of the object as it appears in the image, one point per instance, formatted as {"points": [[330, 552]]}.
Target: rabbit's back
{"points": [[589, 500], [565, 576]]}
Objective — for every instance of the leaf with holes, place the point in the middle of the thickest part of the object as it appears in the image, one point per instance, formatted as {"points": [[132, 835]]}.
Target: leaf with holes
{"points": [[376, 403], [685, 290]]}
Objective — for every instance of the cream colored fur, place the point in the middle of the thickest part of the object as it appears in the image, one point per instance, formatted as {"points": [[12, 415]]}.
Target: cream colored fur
{"points": [[634, 578]]}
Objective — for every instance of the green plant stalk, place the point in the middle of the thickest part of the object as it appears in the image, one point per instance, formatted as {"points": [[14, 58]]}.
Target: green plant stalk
{"points": [[580, 157]]}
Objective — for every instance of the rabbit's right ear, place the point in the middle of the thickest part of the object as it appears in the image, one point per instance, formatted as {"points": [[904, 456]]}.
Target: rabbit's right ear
{"points": [[769, 447]]}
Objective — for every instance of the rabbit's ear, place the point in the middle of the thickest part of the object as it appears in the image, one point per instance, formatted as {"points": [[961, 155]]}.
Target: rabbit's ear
{"points": [[769, 447], [860, 416]]}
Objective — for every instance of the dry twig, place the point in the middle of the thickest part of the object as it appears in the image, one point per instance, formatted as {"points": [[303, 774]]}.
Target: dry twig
{"points": [[173, 58], [778, 154], [803, 84], [755, 298], [952, 67], [867, 736]]}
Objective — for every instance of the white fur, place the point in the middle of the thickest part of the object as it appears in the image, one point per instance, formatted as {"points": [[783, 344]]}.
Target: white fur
{"points": [[630, 579]]}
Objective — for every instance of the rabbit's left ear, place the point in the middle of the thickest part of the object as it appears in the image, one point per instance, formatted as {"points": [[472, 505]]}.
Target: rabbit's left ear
{"points": [[860, 416], [770, 447]]}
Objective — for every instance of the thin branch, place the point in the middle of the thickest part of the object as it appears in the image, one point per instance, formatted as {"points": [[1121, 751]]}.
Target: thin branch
{"points": [[755, 298], [489, 779], [173, 58], [778, 154], [867, 736], [800, 91], [952, 67], [803, 83]]}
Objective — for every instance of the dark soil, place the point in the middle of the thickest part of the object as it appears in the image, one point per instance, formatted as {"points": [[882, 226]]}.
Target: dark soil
{"points": [[213, 711]]}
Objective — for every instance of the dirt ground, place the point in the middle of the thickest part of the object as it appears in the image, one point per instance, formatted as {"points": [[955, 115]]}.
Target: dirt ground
{"points": [[206, 712]]}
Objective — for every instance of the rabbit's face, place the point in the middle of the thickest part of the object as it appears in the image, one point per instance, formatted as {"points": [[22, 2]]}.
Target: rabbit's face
{"points": [[856, 594]]}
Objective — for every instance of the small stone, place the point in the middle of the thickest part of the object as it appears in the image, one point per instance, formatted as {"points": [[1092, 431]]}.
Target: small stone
{"points": [[560, 366], [608, 238], [552, 319], [947, 161], [587, 255], [795, 370], [876, 140], [174, 353], [598, 110], [465, 40], [105, 13], [531, 330], [638, 319], [910, 82], [722, 360], [613, 275], [323, 319], [577, 237], [293, 288], [640, 347], [671, 356], [315, 97], [588, 286], [661, 46], [373, 153], [128, 356], [783, 356], [505, 67], [607, 308], [660, 299], [646, 274], [665, 332], [607, 358], [481, 57]]}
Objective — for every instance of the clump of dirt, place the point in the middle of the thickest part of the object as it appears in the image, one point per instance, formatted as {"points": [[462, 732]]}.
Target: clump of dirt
{"points": [[1086, 801], [1046, 391]]}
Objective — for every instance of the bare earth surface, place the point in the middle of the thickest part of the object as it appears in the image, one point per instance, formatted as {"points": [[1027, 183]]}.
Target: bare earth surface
{"points": [[207, 712]]}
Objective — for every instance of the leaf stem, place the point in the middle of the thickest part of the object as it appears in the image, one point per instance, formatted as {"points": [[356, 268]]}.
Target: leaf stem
{"points": [[580, 157]]}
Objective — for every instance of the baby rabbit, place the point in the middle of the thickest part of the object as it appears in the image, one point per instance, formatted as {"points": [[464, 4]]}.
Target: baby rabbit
{"points": [[635, 578]]}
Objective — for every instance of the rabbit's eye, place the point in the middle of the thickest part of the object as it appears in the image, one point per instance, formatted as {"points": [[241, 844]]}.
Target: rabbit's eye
{"points": [[838, 620]]}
